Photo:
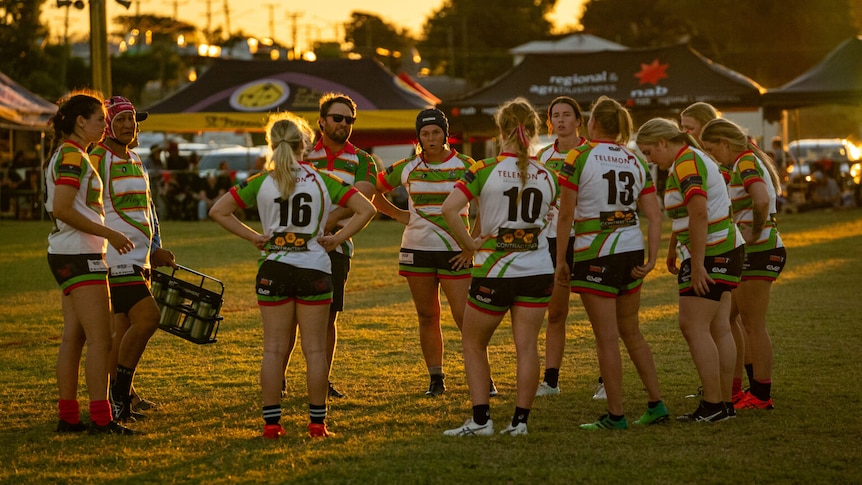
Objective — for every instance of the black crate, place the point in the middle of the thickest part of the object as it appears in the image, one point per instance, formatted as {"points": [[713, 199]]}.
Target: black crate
{"points": [[189, 305]]}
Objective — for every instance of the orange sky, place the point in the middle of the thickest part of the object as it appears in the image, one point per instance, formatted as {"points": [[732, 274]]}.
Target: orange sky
{"points": [[316, 19]]}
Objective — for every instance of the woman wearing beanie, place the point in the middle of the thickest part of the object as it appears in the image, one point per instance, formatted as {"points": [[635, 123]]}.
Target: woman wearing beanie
{"points": [[430, 257]]}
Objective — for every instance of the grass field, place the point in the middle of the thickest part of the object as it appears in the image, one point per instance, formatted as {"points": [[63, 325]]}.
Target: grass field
{"points": [[387, 431]]}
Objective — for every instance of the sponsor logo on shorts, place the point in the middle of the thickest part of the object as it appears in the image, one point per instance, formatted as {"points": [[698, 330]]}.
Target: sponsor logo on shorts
{"points": [[597, 269], [483, 299], [486, 290], [721, 260], [594, 279], [772, 267], [97, 266], [776, 259], [261, 291], [716, 269], [122, 270], [405, 258]]}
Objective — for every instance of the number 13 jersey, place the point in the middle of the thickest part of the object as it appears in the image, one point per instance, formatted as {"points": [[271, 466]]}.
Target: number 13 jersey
{"points": [[514, 213], [608, 179]]}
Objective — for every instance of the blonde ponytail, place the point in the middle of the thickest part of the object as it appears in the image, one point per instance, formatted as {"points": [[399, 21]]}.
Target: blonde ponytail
{"points": [[289, 138]]}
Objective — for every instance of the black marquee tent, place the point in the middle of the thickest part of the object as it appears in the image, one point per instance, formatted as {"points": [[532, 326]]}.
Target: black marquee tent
{"points": [[235, 95], [837, 79], [653, 79]]}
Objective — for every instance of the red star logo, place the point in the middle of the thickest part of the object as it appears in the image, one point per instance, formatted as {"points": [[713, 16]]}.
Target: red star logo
{"points": [[652, 73]]}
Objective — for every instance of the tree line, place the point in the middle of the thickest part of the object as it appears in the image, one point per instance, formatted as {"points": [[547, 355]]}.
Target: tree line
{"points": [[769, 41]]}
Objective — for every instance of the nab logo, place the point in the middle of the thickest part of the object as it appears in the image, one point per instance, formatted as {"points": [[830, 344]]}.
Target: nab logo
{"points": [[260, 95]]}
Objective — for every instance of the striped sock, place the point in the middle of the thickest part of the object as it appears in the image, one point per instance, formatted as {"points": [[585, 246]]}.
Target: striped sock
{"points": [[272, 414], [100, 412], [317, 413], [69, 411]]}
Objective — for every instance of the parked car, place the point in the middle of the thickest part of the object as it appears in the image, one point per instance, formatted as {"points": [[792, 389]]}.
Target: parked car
{"points": [[837, 158], [242, 162]]}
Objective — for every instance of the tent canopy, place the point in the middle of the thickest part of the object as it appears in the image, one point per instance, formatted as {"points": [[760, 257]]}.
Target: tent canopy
{"points": [[641, 79], [235, 95], [22, 110], [837, 79]]}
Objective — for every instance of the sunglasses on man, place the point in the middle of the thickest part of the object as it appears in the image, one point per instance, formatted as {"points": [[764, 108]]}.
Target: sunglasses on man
{"points": [[339, 118]]}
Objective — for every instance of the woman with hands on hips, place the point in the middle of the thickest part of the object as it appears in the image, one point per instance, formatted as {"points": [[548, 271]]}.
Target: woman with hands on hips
{"points": [[294, 283], [430, 257], [513, 272]]}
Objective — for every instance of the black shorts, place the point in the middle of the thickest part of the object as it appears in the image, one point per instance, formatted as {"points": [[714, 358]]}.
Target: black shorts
{"points": [[764, 265], [75, 270], [570, 251], [129, 285], [725, 269], [608, 276], [497, 295], [412, 262], [340, 270], [279, 283]]}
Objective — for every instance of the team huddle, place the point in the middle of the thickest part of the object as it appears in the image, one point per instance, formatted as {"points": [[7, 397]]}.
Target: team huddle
{"points": [[567, 219]]}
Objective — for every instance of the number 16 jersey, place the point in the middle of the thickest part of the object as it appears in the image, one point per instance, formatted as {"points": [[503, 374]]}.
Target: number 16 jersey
{"points": [[294, 223]]}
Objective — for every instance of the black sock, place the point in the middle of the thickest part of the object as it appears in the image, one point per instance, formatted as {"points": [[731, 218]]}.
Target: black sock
{"points": [[272, 414], [520, 416], [317, 413], [552, 376], [435, 370], [481, 414], [652, 404], [712, 407], [615, 417], [749, 370], [761, 390], [123, 384]]}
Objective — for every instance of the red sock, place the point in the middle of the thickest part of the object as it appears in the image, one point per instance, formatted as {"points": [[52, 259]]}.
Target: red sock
{"points": [[100, 412], [737, 386], [69, 411]]}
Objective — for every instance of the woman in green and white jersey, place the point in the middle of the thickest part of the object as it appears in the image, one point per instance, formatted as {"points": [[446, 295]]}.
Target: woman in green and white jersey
{"points": [[512, 270], [430, 257], [294, 282], [710, 248], [753, 190]]}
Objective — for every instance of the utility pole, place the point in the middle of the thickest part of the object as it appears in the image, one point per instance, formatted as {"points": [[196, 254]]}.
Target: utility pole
{"points": [[208, 32], [293, 16], [99, 58], [271, 7], [177, 8], [227, 18]]}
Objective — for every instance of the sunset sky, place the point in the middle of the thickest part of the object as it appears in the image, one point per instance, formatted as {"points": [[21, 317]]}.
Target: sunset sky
{"points": [[316, 19]]}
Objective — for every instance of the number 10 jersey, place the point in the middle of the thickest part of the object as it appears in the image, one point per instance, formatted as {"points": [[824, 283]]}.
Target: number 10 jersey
{"points": [[514, 212]]}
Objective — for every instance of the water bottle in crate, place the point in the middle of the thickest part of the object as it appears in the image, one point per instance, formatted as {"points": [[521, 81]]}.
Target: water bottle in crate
{"points": [[190, 302]]}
